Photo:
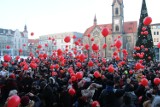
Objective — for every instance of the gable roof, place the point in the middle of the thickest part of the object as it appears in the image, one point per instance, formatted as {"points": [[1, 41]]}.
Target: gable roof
{"points": [[33, 41], [129, 27], [7, 32]]}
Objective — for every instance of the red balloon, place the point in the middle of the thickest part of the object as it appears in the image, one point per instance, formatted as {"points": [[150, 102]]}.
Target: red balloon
{"points": [[25, 67], [146, 33], [89, 35], [73, 78], [20, 50], [52, 67], [33, 65], [92, 39], [97, 74], [142, 46], [39, 46], [8, 47], [158, 45], [118, 44], [32, 33], [142, 33], [37, 51], [111, 68], [45, 55], [119, 36], [95, 47], [95, 104], [87, 47], [7, 58], [67, 39], [46, 45], [82, 57], [56, 66], [144, 28], [146, 49], [74, 36], [54, 73], [125, 52], [79, 64], [138, 48], [49, 38], [72, 91], [131, 72], [104, 45], [117, 58], [76, 43], [149, 57], [90, 63], [53, 39], [147, 20], [141, 61], [13, 101], [79, 75], [138, 66], [144, 82], [115, 53], [17, 57], [24, 44], [5, 64], [156, 81], [59, 52], [105, 32]]}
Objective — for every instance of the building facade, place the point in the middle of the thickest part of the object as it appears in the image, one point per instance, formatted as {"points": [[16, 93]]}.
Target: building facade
{"points": [[16, 40], [155, 29], [56, 41], [32, 46], [127, 31]]}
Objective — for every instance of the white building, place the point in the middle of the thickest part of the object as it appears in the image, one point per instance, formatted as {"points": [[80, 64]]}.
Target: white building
{"points": [[15, 40], [155, 29], [56, 41]]}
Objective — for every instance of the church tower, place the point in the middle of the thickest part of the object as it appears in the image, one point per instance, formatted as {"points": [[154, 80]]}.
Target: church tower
{"points": [[117, 17], [25, 32], [95, 20]]}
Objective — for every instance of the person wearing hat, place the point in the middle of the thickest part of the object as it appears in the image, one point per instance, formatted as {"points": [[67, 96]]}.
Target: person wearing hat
{"points": [[26, 102]]}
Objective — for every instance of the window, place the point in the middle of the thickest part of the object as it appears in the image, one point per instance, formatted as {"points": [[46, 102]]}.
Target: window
{"points": [[157, 33], [117, 28], [154, 33], [157, 39], [116, 11], [154, 39], [61, 40]]}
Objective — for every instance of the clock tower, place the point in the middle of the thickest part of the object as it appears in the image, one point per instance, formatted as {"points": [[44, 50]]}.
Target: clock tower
{"points": [[117, 17]]}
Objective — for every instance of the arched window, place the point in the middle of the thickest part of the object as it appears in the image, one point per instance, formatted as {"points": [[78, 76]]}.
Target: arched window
{"points": [[117, 28], [116, 10]]}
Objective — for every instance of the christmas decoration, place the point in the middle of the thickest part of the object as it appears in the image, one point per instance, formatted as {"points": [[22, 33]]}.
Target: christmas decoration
{"points": [[144, 37]]}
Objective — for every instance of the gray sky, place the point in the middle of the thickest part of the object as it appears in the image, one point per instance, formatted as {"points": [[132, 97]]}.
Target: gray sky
{"points": [[56, 16]]}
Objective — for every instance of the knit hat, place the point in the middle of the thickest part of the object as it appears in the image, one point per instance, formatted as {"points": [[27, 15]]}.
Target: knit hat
{"points": [[12, 92], [25, 101]]}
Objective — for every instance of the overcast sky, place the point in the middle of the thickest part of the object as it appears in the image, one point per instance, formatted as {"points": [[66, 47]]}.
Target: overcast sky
{"points": [[57, 16]]}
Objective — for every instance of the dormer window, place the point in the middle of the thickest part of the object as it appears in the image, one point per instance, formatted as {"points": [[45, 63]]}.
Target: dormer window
{"points": [[116, 11]]}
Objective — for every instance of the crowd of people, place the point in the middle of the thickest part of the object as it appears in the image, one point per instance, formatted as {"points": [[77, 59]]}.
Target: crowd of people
{"points": [[66, 81]]}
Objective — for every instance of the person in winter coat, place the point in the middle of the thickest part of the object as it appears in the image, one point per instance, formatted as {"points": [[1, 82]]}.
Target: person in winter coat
{"points": [[46, 94], [156, 102], [127, 100]]}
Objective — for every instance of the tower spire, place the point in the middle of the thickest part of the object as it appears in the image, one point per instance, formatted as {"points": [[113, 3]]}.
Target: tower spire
{"points": [[95, 20], [25, 28]]}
